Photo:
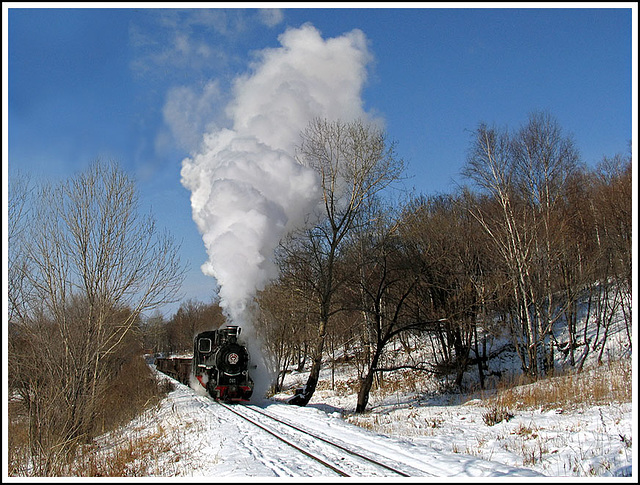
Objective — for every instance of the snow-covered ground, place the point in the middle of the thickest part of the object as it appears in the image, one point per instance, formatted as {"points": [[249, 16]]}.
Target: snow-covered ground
{"points": [[203, 439], [206, 440], [196, 438], [424, 433], [558, 442]]}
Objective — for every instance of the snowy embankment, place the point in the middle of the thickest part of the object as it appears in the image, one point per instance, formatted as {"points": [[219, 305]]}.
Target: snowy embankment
{"points": [[197, 438], [585, 441], [202, 439]]}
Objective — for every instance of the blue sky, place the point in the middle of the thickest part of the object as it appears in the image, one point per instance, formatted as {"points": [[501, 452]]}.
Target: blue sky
{"points": [[142, 85]]}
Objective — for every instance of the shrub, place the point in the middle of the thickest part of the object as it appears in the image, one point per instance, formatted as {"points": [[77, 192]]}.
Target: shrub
{"points": [[496, 415]]}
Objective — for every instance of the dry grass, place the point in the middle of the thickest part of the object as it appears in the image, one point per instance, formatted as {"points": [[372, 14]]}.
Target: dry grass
{"points": [[18, 435], [605, 384], [130, 457], [496, 415], [125, 456], [550, 449], [128, 396], [602, 385]]}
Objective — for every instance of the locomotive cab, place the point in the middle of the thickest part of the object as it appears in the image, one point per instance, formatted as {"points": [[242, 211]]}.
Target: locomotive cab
{"points": [[203, 347]]}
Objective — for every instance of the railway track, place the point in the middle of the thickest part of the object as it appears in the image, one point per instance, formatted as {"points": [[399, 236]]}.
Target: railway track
{"points": [[339, 459]]}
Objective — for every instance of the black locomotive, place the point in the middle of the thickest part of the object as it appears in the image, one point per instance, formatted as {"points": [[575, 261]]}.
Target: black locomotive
{"points": [[220, 364]]}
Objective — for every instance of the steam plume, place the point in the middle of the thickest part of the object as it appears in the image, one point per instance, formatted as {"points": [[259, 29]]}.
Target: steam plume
{"points": [[248, 191]]}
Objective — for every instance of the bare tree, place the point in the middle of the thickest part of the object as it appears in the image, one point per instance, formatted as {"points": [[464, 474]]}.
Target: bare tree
{"points": [[17, 263], [611, 209], [284, 322], [526, 175], [354, 163], [95, 265], [154, 333], [456, 280], [380, 280], [545, 159], [490, 166], [191, 318]]}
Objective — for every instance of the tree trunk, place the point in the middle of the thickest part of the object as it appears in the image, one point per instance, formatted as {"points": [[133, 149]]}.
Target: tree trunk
{"points": [[303, 396], [367, 382]]}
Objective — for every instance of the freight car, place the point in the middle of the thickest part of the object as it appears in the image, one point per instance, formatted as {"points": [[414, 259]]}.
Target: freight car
{"points": [[220, 364], [177, 367]]}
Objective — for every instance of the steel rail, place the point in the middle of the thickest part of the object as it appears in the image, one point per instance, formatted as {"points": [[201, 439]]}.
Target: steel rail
{"points": [[329, 442], [336, 445], [304, 452]]}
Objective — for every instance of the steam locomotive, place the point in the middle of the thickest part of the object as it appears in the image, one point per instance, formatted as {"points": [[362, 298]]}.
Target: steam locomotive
{"points": [[220, 364]]}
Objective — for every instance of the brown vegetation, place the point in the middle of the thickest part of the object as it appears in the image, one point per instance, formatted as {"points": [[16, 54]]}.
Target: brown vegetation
{"points": [[84, 265]]}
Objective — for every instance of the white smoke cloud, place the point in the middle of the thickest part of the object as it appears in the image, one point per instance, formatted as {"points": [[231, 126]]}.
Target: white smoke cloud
{"points": [[305, 78], [248, 191]]}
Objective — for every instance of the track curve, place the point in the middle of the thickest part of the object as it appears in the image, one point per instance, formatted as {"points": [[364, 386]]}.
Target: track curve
{"points": [[286, 441], [351, 462]]}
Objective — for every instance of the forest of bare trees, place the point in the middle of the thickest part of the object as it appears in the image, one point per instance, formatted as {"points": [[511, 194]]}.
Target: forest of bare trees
{"points": [[535, 241]]}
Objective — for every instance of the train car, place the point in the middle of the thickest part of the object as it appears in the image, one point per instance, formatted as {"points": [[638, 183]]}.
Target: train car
{"points": [[177, 367], [221, 364]]}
